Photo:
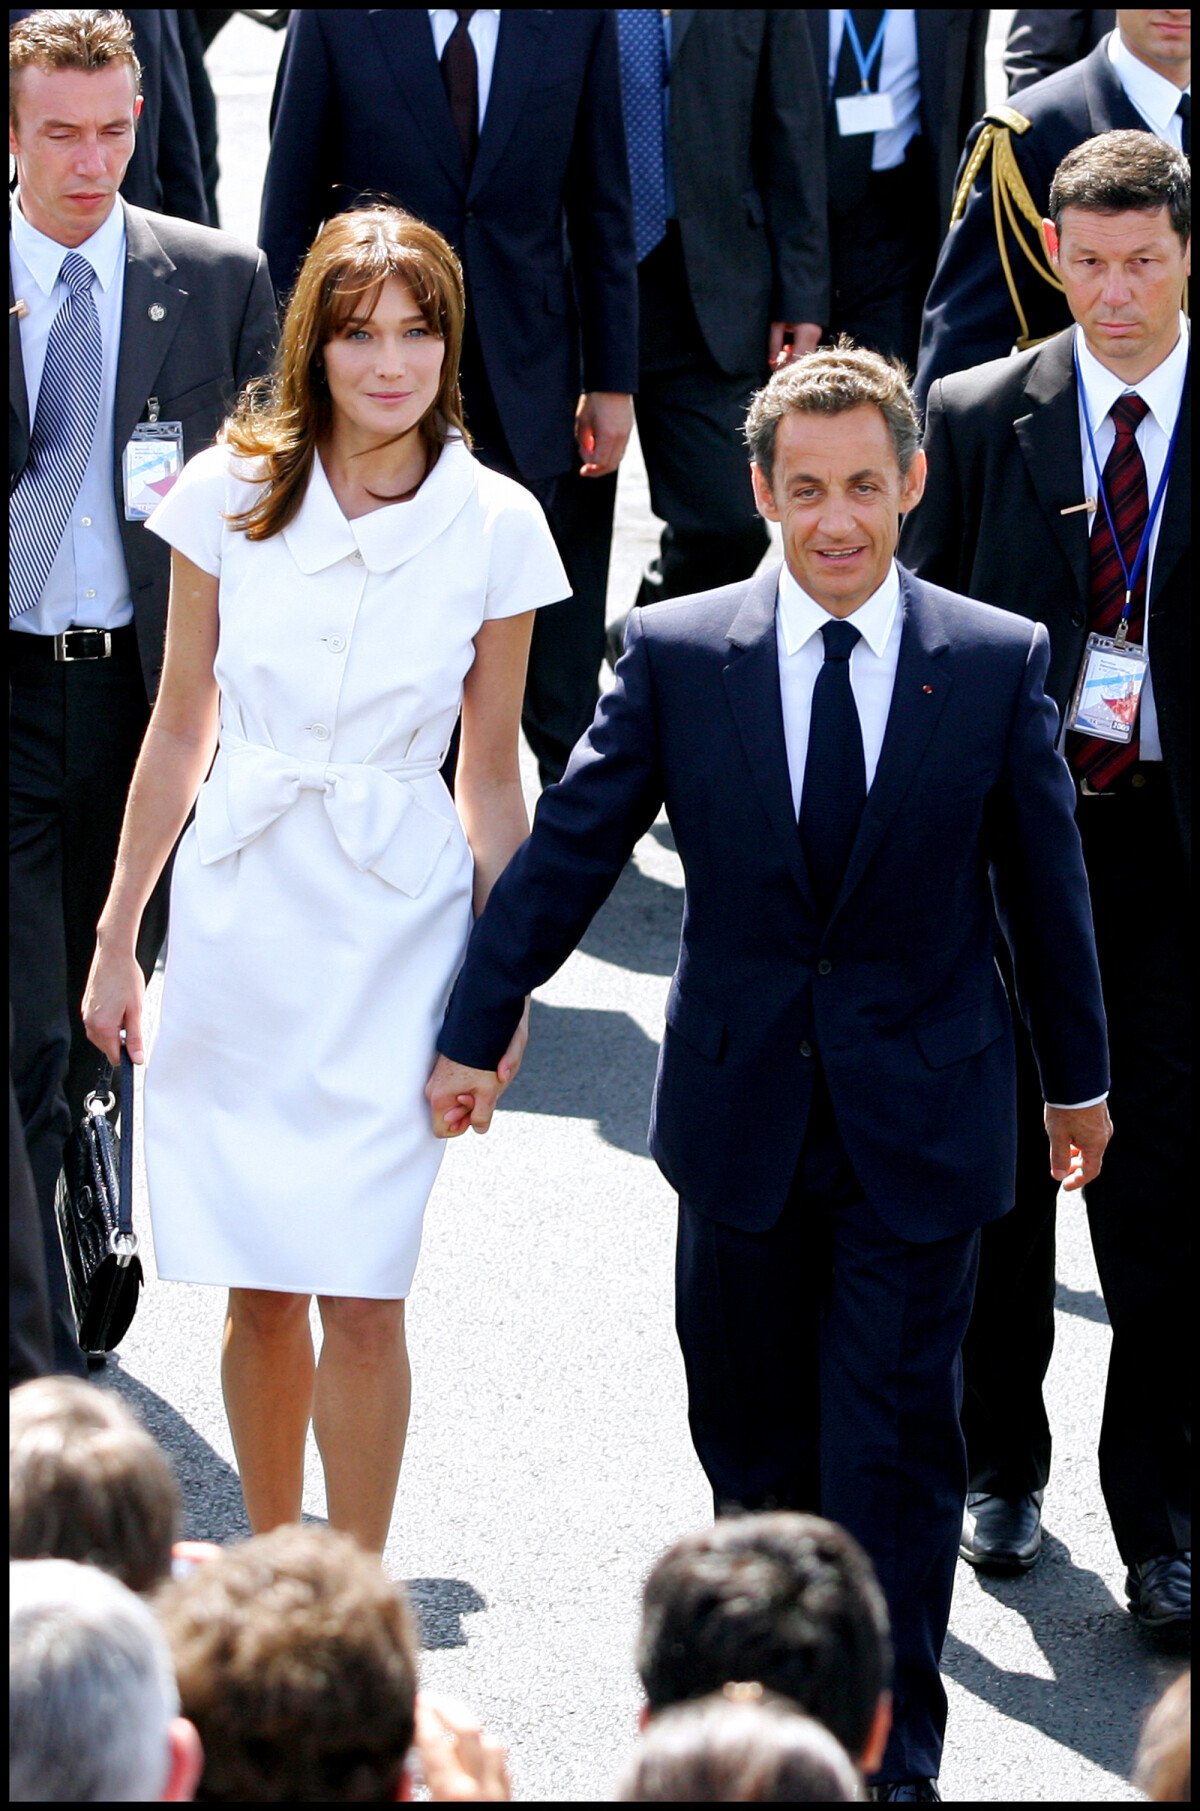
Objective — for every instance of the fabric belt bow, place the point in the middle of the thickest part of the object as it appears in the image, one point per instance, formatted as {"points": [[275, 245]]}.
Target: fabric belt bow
{"points": [[375, 812]]}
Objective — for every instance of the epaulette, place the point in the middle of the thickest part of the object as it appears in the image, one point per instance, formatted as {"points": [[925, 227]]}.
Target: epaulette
{"points": [[1012, 204]]}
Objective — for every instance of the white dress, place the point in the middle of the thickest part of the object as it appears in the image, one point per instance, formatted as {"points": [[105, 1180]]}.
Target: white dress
{"points": [[321, 898]]}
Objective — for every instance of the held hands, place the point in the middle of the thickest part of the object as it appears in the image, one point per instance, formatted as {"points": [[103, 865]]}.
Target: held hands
{"points": [[790, 340], [603, 424], [1078, 1136], [113, 999], [460, 1096]]}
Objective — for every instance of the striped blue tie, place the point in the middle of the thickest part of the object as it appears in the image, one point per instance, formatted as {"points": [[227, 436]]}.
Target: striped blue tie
{"points": [[67, 408], [643, 78]]}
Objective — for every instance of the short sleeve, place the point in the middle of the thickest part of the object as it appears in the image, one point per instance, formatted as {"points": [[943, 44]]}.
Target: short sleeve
{"points": [[191, 517], [524, 568]]}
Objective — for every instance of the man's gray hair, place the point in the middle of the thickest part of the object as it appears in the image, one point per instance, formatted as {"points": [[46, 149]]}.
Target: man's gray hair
{"points": [[829, 382], [91, 1689]]}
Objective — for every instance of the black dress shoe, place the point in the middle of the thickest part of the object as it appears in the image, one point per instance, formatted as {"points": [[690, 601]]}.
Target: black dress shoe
{"points": [[1160, 1594], [1002, 1534], [906, 1792]]}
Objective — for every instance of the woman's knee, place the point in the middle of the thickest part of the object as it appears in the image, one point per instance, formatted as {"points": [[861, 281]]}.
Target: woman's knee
{"points": [[267, 1313], [368, 1326]]}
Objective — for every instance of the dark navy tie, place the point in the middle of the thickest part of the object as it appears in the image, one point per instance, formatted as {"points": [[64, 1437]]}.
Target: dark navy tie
{"points": [[1184, 110], [835, 773], [460, 74], [60, 445], [643, 78]]}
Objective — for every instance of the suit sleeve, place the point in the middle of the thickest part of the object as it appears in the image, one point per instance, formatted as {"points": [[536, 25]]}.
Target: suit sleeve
{"points": [[933, 543], [259, 331], [583, 834], [599, 210], [300, 173], [180, 176], [790, 153], [1042, 900], [1042, 40]]}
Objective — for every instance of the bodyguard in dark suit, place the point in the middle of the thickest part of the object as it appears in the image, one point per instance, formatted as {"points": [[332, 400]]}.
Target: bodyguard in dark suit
{"points": [[850, 760], [1044, 39], [1010, 466], [116, 316], [993, 291], [525, 174], [889, 192]]}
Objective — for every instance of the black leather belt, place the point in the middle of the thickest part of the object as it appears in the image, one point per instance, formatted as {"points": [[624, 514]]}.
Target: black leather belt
{"points": [[73, 644], [1145, 779]]}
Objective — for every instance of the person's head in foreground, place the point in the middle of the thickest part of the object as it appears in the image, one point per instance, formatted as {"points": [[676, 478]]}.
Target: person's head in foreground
{"points": [[790, 1601], [87, 1482], [1163, 1769], [739, 1746], [93, 1709], [296, 1661]]}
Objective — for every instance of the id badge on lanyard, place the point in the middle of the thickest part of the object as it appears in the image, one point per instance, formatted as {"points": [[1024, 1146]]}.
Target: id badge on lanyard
{"points": [[150, 464], [866, 111]]}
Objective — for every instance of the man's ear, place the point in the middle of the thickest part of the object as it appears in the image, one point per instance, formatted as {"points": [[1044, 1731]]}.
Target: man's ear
{"points": [[764, 500], [876, 1743], [643, 1719], [186, 1763], [912, 487], [1050, 235]]}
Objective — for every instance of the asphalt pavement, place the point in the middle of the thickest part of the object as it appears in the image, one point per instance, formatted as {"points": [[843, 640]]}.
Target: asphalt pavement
{"points": [[548, 1461]]}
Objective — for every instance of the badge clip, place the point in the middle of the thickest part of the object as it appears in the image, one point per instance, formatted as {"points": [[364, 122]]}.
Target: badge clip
{"points": [[1073, 509]]}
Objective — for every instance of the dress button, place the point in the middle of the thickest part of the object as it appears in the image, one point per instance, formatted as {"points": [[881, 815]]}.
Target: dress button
{"points": [[806, 1048], [824, 966], [1077, 619], [356, 558], [335, 643], [319, 731], [1138, 779], [85, 521], [89, 594]]}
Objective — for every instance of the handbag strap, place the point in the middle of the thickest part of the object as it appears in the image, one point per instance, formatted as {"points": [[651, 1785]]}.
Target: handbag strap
{"points": [[125, 1192]]}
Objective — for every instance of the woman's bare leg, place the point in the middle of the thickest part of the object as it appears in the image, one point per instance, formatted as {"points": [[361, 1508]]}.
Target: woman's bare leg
{"points": [[267, 1376], [360, 1412]]}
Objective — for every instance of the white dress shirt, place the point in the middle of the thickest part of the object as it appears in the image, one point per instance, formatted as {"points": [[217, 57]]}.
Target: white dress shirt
{"points": [[899, 76], [1154, 97], [88, 583], [1162, 391], [483, 31]]}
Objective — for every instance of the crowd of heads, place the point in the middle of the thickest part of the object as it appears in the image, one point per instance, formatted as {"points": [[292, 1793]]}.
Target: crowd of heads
{"points": [[285, 1668]]}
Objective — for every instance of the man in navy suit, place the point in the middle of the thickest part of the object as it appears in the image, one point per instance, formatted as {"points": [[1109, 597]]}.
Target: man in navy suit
{"points": [[860, 773], [502, 128]]}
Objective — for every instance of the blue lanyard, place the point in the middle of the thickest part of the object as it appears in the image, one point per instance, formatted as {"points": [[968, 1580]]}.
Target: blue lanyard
{"points": [[1131, 575], [864, 63]]}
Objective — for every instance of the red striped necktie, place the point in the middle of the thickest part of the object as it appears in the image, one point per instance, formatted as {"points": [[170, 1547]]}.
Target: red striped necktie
{"points": [[1095, 760]]}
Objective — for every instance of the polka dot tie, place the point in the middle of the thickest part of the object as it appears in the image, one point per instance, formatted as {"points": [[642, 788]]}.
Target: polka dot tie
{"points": [[644, 75]]}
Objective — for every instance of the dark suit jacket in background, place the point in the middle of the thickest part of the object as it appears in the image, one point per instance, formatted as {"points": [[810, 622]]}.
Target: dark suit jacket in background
{"points": [[217, 330], [899, 991], [950, 52], [360, 110], [748, 161], [1004, 460], [1044, 39], [969, 316]]}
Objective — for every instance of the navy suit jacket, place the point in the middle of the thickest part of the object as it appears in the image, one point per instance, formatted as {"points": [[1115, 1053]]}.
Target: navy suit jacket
{"points": [[360, 109], [969, 819]]}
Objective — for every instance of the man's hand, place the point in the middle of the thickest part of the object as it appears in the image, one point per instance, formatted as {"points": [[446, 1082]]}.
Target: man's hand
{"points": [[459, 1762], [460, 1096], [790, 340], [1077, 1137], [603, 424]]}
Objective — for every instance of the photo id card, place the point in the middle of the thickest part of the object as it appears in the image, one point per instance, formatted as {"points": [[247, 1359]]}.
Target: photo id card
{"points": [[150, 465], [865, 113], [1108, 690]]}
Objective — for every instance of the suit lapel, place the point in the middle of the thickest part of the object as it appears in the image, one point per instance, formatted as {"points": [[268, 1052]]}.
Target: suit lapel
{"points": [[1175, 535], [681, 20], [1049, 441], [406, 42], [818, 26], [518, 53], [152, 309], [18, 396], [923, 681], [1109, 107]]}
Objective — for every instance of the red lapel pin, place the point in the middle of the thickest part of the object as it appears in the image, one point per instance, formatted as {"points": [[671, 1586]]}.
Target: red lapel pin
{"points": [[927, 688]]}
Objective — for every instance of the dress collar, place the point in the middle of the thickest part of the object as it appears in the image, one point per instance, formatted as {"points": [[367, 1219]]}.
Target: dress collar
{"points": [[801, 616], [320, 535]]}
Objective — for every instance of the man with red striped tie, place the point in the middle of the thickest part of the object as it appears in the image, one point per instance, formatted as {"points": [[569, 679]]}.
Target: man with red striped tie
{"points": [[1059, 487]]}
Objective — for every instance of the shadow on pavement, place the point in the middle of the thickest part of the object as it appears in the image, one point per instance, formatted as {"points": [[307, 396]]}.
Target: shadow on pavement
{"points": [[638, 926], [1105, 1676], [440, 1605], [588, 1065], [1083, 1302], [212, 1497]]}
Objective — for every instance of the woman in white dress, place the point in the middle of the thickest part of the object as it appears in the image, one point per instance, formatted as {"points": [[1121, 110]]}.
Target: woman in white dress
{"points": [[344, 576]]}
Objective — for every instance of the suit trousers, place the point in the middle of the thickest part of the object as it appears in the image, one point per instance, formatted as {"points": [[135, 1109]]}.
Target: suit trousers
{"points": [[823, 1373], [882, 254], [75, 729], [690, 415]]}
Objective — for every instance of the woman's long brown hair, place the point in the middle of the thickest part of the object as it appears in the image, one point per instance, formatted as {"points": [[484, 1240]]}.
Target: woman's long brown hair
{"points": [[282, 417]]}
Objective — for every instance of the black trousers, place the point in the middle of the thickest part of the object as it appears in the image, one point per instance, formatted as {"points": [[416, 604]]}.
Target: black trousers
{"points": [[74, 734], [1138, 1208], [882, 253], [565, 656], [823, 1374], [690, 415]]}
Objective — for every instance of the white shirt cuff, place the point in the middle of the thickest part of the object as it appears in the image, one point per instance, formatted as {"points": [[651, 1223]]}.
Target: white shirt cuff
{"points": [[1076, 1106]]}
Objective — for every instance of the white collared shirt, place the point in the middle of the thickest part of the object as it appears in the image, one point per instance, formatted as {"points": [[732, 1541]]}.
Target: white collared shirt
{"points": [[899, 76], [88, 583], [484, 33], [798, 623], [1153, 96], [1162, 391]]}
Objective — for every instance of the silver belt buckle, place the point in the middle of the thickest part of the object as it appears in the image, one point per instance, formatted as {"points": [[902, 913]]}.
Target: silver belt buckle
{"points": [[1090, 792], [63, 652]]}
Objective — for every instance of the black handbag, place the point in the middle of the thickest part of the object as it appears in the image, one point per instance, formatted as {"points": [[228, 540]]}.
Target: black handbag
{"points": [[94, 1206]]}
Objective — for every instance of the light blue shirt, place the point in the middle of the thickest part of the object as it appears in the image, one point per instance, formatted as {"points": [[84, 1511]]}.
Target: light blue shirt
{"points": [[899, 76], [88, 584]]}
